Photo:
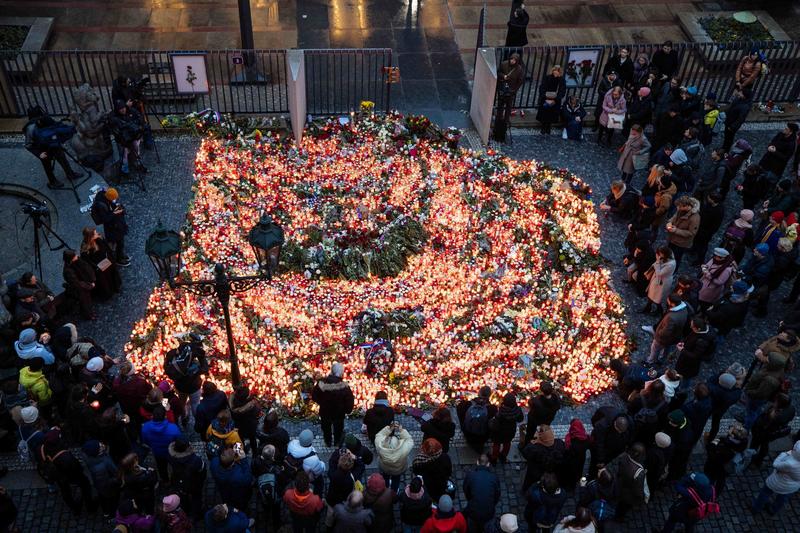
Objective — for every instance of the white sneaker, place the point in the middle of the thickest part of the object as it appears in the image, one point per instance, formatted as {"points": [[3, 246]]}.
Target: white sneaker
{"points": [[649, 329]]}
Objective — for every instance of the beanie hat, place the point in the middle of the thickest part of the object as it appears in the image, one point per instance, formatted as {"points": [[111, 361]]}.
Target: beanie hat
{"points": [[777, 216], [376, 484], [727, 381], [678, 157], [112, 194], [337, 370], [721, 252], [677, 417], [762, 248], [27, 336], [508, 523], [351, 442], [643, 91], [91, 448], [445, 504], [692, 90], [29, 414], [740, 287], [171, 502], [663, 440], [95, 364], [305, 438], [746, 215]]}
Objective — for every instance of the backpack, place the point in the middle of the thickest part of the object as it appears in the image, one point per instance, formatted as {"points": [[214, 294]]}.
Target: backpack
{"points": [[97, 209], [23, 450], [476, 421], [719, 125], [267, 487], [292, 465], [183, 361], [703, 509]]}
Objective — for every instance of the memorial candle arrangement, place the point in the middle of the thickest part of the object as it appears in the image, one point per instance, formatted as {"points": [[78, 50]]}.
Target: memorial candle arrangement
{"points": [[427, 271]]}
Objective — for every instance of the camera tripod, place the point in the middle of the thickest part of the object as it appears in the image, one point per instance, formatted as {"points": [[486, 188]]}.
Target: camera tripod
{"points": [[41, 231], [77, 182]]}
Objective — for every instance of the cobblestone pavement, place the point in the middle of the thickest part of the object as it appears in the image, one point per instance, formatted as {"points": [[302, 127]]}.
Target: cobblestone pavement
{"points": [[169, 187]]}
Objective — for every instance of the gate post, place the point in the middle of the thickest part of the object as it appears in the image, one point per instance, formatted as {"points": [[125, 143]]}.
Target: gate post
{"points": [[484, 86], [296, 91]]}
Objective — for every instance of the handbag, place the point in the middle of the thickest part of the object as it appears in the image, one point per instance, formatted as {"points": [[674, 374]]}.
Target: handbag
{"points": [[615, 121], [550, 95], [104, 264]]}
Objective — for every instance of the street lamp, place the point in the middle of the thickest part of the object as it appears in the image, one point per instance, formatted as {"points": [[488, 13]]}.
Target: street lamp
{"points": [[163, 247]]}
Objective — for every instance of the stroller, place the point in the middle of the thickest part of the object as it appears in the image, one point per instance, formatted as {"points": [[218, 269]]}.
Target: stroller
{"points": [[738, 157]]}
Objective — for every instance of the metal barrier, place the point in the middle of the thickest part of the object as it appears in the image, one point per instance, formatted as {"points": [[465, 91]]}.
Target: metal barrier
{"points": [[338, 80], [707, 66]]}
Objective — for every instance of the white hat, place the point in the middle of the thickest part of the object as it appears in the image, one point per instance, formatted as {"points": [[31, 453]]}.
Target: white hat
{"points": [[721, 252], [508, 523], [95, 364], [29, 414]]}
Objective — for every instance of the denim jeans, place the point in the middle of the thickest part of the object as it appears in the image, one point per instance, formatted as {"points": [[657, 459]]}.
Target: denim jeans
{"points": [[764, 495], [657, 352]]}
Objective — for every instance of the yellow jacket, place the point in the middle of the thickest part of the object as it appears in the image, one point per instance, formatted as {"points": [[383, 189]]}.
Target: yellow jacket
{"points": [[36, 385], [711, 118]]}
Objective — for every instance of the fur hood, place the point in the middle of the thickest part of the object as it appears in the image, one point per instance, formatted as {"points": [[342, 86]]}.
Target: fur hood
{"points": [[332, 383], [179, 455]]}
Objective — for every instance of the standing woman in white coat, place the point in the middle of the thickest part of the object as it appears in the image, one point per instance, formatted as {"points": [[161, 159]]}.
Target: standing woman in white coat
{"points": [[661, 279]]}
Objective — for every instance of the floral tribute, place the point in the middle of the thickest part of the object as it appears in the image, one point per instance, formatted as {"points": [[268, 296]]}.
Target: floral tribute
{"points": [[427, 271]]}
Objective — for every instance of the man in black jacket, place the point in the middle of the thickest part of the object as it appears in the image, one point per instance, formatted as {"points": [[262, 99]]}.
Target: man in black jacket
{"points": [[542, 409], [736, 114], [378, 416], [665, 59], [108, 212], [335, 400], [48, 147], [611, 435], [79, 279], [187, 476], [712, 212], [781, 148]]}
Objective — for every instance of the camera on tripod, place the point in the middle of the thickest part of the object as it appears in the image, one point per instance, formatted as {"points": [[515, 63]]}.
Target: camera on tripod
{"points": [[35, 209], [137, 87]]}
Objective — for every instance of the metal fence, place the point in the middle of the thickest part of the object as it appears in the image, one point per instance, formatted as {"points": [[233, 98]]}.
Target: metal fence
{"points": [[707, 66], [338, 80]]}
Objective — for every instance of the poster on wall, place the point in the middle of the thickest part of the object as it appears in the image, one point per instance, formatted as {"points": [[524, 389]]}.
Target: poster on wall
{"points": [[582, 67], [190, 73]]}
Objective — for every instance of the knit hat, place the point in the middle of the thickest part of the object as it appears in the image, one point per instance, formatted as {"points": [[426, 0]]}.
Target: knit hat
{"points": [[508, 523], [643, 91], [678, 157], [692, 90], [746, 215], [164, 386], [27, 336], [700, 479], [171, 502], [351, 442], [721, 252], [305, 438], [740, 287], [91, 447], [777, 217], [376, 484], [112, 194], [29, 414], [445, 504], [762, 248], [736, 370], [663, 440], [337, 370], [677, 417], [727, 381], [95, 364]]}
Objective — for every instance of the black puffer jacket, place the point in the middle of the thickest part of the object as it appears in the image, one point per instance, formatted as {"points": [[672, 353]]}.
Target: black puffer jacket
{"points": [[334, 397], [503, 427]]}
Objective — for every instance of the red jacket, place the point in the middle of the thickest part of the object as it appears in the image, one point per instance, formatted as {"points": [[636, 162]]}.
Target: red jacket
{"points": [[445, 525], [131, 393], [302, 504]]}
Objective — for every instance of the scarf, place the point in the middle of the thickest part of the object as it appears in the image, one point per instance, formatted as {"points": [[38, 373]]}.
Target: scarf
{"points": [[576, 432], [422, 458], [545, 436], [717, 268]]}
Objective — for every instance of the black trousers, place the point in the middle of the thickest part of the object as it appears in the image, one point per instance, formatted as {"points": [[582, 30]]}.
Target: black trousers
{"points": [[65, 484], [49, 163], [332, 429]]}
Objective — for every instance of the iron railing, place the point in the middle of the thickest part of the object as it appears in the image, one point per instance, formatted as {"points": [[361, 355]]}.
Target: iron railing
{"points": [[338, 80], [707, 66]]}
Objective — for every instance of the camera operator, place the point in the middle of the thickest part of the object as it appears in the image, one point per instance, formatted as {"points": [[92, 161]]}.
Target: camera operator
{"points": [[131, 91], [44, 138], [127, 129], [509, 80]]}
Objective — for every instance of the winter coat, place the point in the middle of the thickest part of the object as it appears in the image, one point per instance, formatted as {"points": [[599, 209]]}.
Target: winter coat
{"points": [[542, 410], [114, 225], [245, 414], [635, 154], [378, 417], [415, 509], [442, 431], [669, 330], [312, 464], [307, 504], [515, 73], [140, 486], [669, 129], [697, 413], [517, 29], [666, 62], [278, 437], [37, 385], [550, 109], [33, 350], [235, 522], [727, 315], [351, 520], [623, 68], [715, 279], [570, 115], [382, 507], [785, 476], [767, 380], [657, 464], [341, 485], [393, 450], [503, 427], [711, 179], [640, 110], [454, 523], [234, 484], [737, 112], [543, 507], [710, 221], [334, 397], [663, 200], [482, 491], [773, 344], [721, 398], [176, 522], [665, 96], [131, 392], [610, 105], [159, 435], [747, 71], [225, 436], [188, 471], [363, 458], [435, 473], [685, 226], [660, 285], [607, 442], [137, 523], [776, 161], [540, 459], [698, 346], [207, 410], [630, 479], [757, 270], [103, 471]]}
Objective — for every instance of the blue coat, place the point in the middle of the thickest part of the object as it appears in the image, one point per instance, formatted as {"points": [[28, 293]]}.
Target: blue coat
{"points": [[721, 399], [236, 522], [159, 435], [482, 489], [207, 410], [234, 484]]}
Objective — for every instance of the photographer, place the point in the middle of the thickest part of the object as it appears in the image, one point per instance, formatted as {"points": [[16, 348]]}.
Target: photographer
{"points": [[44, 138], [131, 91], [509, 80], [127, 129]]}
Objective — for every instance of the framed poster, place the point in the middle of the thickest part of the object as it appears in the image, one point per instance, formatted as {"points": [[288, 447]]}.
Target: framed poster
{"points": [[190, 73], [582, 67]]}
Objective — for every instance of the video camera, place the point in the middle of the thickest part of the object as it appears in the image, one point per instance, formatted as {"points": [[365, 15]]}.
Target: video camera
{"points": [[35, 209], [137, 86]]}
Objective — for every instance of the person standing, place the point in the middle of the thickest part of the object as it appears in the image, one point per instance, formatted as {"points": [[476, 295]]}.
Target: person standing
{"points": [[606, 83], [721, 454], [482, 491], [665, 59], [780, 150], [96, 251], [551, 93], [669, 330], [781, 483], [622, 64], [336, 401], [434, 466], [79, 281], [108, 212], [510, 77], [724, 393], [772, 424], [474, 416], [440, 427], [717, 274], [233, 478], [304, 506], [683, 226], [187, 475], [393, 444], [712, 211], [517, 35], [693, 491], [379, 415], [158, 434], [635, 154], [736, 115], [445, 518], [661, 276], [43, 138], [415, 506], [542, 409], [503, 427], [631, 479]]}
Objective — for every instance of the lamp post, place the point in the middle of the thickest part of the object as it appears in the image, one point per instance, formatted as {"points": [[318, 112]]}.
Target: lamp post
{"points": [[249, 74], [163, 247]]}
